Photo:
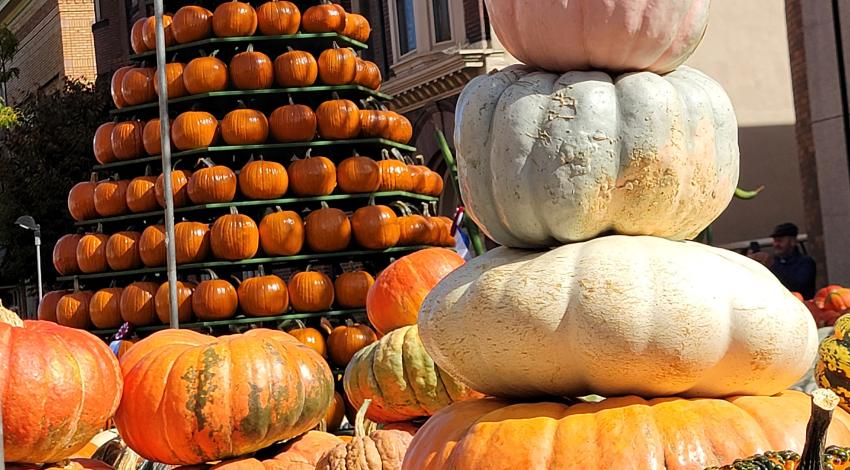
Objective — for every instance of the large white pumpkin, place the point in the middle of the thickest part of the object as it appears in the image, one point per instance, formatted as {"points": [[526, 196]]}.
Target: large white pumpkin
{"points": [[545, 159], [616, 316]]}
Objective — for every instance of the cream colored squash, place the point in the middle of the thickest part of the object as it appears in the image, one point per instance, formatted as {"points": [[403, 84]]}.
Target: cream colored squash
{"points": [[546, 160], [618, 315]]}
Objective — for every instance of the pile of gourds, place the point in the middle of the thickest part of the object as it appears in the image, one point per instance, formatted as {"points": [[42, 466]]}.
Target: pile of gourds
{"points": [[592, 164]]}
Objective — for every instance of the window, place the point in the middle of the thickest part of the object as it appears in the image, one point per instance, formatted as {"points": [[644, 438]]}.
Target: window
{"points": [[442, 21], [406, 23]]}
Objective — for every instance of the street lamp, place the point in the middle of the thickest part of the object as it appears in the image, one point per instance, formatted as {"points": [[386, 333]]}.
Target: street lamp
{"points": [[27, 222]]}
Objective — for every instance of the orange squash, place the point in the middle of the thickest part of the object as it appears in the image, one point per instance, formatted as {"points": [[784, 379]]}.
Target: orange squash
{"points": [[73, 310], [379, 449], [310, 291], [110, 198], [151, 136], [122, 251], [105, 308], [115, 86], [345, 340], [152, 246], [312, 176], [351, 289], [399, 129], [261, 179], [282, 233], [295, 69], [137, 38], [338, 119], [149, 32], [81, 200], [327, 230], [358, 174], [65, 255], [179, 188], [191, 242], [324, 18], [251, 70], [205, 75], [373, 123], [137, 86], [244, 127], [127, 139], [375, 227], [415, 229], [91, 253], [102, 143], [234, 237], [395, 174], [48, 304], [310, 337], [137, 303], [263, 296], [357, 27], [191, 23], [234, 18], [184, 302], [368, 74], [214, 299], [213, 183], [195, 129], [293, 123], [304, 452], [278, 18], [335, 413], [173, 80], [141, 194], [338, 66]]}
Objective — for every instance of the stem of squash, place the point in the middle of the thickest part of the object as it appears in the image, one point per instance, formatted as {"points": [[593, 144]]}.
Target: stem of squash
{"points": [[824, 402], [359, 424]]}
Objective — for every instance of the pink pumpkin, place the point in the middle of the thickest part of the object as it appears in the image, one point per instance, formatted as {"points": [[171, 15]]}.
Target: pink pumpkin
{"points": [[612, 35]]}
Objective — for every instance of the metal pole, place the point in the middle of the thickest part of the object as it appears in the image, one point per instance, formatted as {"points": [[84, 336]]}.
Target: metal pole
{"points": [[165, 141], [38, 261]]}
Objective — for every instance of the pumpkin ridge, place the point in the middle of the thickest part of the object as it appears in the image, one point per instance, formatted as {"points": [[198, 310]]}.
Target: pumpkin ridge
{"points": [[256, 423], [164, 412], [71, 430], [432, 394], [370, 376], [400, 380]]}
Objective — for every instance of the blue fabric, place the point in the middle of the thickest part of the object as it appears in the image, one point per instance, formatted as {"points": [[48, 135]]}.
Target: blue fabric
{"points": [[797, 273]]}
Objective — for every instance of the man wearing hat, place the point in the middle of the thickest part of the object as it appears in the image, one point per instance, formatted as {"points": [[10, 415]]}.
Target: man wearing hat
{"points": [[795, 270]]}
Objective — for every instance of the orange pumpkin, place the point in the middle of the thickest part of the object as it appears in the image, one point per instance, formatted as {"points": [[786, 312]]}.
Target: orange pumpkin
{"points": [[375, 227], [304, 452], [191, 23], [416, 229], [425, 181], [261, 179], [151, 137], [373, 123], [205, 75], [311, 291], [141, 194], [278, 18], [310, 337], [263, 296], [122, 251], [149, 32], [324, 18], [296, 69], [137, 38], [214, 299], [137, 303], [338, 66], [395, 174], [282, 233], [179, 188], [194, 129], [65, 255], [184, 302], [91, 253], [338, 119], [296, 387], [234, 237], [251, 70], [327, 230], [405, 426], [335, 413], [399, 290], [81, 200], [368, 74], [110, 197], [235, 18], [312, 176], [351, 289], [127, 139], [48, 304], [345, 340], [359, 175], [152, 246], [105, 308], [191, 242], [137, 86], [102, 144], [244, 127], [173, 80], [357, 27], [115, 86], [73, 310], [399, 129], [293, 123]]}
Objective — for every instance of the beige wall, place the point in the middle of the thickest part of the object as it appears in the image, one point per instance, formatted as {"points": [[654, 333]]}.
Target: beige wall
{"points": [[746, 50]]}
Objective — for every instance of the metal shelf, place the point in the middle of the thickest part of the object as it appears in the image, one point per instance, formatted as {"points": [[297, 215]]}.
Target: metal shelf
{"points": [[266, 100], [246, 263], [270, 45], [362, 197], [331, 148]]}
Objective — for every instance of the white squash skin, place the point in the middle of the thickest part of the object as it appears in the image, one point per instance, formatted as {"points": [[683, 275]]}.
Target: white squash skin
{"points": [[545, 159], [618, 315]]}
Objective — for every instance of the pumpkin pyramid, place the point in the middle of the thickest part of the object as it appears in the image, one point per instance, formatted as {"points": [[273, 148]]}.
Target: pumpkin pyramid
{"points": [[556, 160]]}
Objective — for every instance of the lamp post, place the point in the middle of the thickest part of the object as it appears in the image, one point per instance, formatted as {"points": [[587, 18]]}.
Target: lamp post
{"points": [[27, 222]]}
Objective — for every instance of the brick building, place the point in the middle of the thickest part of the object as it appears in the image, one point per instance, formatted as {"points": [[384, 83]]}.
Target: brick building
{"points": [[55, 41]]}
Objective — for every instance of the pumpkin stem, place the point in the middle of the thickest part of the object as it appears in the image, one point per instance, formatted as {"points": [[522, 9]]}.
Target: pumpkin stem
{"points": [[234, 210], [335, 95], [326, 325], [236, 280], [206, 162], [349, 322], [307, 269], [76, 284], [99, 228], [402, 207], [250, 48], [824, 402], [372, 199], [335, 45], [291, 101], [212, 274], [359, 420], [278, 209], [93, 177], [261, 270], [325, 205], [289, 49], [147, 170], [299, 324], [385, 155], [420, 159], [309, 153]]}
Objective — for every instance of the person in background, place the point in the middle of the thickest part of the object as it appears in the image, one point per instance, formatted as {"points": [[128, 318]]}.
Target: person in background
{"points": [[794, 270]]}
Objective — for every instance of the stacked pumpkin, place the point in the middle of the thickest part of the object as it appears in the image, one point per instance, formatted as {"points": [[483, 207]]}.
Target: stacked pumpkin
{"points": [[612, 137]]}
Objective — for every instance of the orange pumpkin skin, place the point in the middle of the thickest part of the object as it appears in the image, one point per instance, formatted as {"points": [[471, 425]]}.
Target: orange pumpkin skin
{"points": [[137, 86], [415, 229], [395, 176], [381, 449], [263, 180], [163, 421], [304, 452], [368, 74], [141, 194], [358, 175], [263, 296], [296, 69], [278, 18], [335, 413], [399, 290], [326, 18], [174, 80], [195, 129], [110, 198], [244, 127], [213, 184], [351, 289], [338, 119], [310, 337], [137, 303], [115, 86], [205, 75], [81, 201], [152, 246], [399, 129], [312, 176], [234, 18], [215, 299], [672, 433], [47, 306], [338, 66], [91, 253], [404, 426], [127, 139], [73, 310], [184, 302], [251, 70], [60, 386], [373, 123], [282, 233], [191, 23], [122, 251], [345, 340], [375, 227], [234, 237], [105, 308], [357, 27], [102, 143], [311, 291], [65, 255], [179, 188], [293, 123], [327, 230], [137, 39], [191, 242], [149, 32]]}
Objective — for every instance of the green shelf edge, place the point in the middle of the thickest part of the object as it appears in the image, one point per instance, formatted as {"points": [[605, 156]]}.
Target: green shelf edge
{"points": [[256, 147], [255, 203], [250, 93], [245, 262], [238, 321], [344, 41]]}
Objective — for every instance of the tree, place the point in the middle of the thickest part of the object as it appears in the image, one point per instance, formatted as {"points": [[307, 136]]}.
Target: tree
{"points": [[8, 49], [40, 160]]}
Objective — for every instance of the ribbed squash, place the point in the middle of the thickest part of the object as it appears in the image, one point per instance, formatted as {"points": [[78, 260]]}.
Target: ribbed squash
{"points": [[215, 299], [122, 251], [263, 296], [261, 179], [833, 367], [162, 302], [234, 237], [137, 303], [327, 230], [278, 18], [65, 254], [110, 198], [213, 183], [73, 310], [282, 233], [192, 242], [105, 308], [311, 291]]}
